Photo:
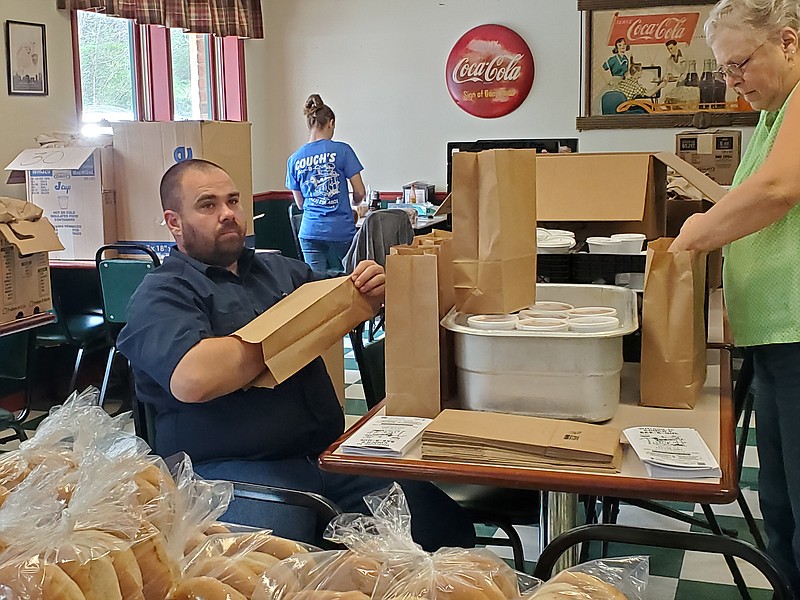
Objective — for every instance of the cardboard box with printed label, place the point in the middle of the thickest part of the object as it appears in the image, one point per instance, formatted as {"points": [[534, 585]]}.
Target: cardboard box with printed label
{"points": [[74, 187], [601, 194], [144, 151], [715, 152], [25, 239]]}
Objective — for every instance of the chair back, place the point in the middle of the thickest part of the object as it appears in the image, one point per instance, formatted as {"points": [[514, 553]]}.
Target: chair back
{"points": [[371, 362], [380, 230], [295, 219], [119, 278], [684, 540], [324, 510]]}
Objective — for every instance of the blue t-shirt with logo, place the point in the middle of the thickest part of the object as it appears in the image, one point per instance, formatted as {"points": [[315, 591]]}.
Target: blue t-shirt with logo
{"points": [[320, 170]]}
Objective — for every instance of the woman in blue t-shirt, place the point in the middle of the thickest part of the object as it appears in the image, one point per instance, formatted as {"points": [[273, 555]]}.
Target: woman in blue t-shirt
{"points": [[318, 174]]}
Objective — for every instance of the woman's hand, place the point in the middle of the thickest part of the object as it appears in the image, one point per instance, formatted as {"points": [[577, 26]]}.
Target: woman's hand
{"points": [[370, 279], [691, 235]]}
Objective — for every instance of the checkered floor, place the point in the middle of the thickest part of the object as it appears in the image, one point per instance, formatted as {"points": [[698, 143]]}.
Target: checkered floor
{"points": [[675, 575]]}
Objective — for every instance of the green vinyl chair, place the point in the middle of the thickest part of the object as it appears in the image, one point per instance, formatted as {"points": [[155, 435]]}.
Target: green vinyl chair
{"points": [[15, 351], [119, 277]]}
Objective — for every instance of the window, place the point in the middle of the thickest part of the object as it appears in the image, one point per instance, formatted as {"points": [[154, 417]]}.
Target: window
{"points": [[107, 68], [129, 71], [191, 75]]}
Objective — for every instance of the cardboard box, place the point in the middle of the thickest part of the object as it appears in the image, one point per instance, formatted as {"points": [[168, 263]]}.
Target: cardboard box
{"points": [[714, 152], [24, 264], [145, 150], [74, 187], [601, 194]]}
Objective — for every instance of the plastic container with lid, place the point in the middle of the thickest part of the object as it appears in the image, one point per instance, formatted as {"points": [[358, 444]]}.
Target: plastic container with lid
{"points": [[558, 374]]}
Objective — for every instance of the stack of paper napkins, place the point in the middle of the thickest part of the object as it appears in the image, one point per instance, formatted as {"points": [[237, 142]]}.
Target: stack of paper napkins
{"points": [[522, 441]]}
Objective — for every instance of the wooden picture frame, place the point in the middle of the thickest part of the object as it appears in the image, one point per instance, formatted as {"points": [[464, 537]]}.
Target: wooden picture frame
{"points": [[620, 34], [26, 58]]}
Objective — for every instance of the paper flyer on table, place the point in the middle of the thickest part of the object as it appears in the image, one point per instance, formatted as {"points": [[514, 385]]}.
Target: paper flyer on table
{"points": [[386, 436], [673, 453]]}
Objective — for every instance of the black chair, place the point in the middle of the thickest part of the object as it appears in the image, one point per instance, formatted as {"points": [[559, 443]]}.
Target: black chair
{"points": [[15, 351], [119, 277], [295, 219], [324, 510], [500, 507], [78, 327], [683, 540]]}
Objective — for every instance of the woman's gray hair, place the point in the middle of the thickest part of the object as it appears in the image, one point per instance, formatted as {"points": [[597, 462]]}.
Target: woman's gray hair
{"points": [[764, 16]]}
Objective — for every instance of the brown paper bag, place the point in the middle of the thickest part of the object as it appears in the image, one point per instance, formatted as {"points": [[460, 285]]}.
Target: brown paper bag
{"points": [[300, 327], [441, 241], [673, 365], [412, 332], [494, 227]]}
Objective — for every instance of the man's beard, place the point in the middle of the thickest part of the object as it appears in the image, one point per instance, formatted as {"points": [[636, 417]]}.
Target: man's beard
{"points": [[221, 252]]}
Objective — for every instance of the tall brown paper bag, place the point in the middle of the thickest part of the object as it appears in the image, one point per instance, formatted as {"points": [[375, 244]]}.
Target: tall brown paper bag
{"points": [[494, 230], [441, 243], [413, 371], [673, 365]]}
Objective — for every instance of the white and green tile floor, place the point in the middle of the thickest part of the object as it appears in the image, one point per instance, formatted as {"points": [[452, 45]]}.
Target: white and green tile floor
{"points": [[675, 575]]}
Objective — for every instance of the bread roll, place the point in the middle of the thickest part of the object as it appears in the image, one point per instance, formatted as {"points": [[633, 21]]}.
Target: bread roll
{"points": [[128, 573], [329, 595], [3, 494], [228, 570], [258, 562], [158, 572], [281, 547], [352, 571], [194, 543], [96, 578], [205, 588], [216, 528], [502, 575], [48, 582], [568, 585]]}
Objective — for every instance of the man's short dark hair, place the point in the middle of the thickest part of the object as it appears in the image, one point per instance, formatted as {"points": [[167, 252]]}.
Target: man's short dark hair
{"points": [[170, 188], [669, 43]]}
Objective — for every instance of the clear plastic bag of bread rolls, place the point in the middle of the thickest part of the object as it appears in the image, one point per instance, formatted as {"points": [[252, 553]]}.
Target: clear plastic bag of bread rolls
{"points": [[603, 579], [328, 573], [383, 562]]}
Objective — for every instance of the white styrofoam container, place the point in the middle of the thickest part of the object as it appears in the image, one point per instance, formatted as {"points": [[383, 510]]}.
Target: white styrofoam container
{"points": [[564, 375]]}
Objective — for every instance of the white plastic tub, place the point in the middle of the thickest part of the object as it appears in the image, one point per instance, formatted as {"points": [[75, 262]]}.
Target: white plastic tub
{"points": [[559, 374]]}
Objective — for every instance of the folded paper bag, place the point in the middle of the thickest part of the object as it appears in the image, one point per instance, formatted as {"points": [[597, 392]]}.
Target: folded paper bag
{"points": [[303, 325]]}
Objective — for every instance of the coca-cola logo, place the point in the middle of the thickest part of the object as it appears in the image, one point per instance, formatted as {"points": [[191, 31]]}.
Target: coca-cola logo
{"points": [[489, 71], [653, 29]]}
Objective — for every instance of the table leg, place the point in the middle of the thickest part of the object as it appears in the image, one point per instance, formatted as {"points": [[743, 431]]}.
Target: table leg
{"points": [[558, 512]]}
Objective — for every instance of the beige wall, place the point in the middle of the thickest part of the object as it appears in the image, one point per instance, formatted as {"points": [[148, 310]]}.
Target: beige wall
{"points": [[380, 66], [22, 118]]}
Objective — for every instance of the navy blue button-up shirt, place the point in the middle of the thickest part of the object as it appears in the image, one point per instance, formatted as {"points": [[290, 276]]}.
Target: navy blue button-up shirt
{"points": [[185, 301]]}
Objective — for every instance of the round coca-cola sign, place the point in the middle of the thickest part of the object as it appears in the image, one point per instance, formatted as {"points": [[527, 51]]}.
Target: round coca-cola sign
{"points": [[489, 71]]}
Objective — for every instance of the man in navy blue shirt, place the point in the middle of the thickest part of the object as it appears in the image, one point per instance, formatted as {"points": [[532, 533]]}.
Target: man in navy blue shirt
{"points": [[193, 374]]}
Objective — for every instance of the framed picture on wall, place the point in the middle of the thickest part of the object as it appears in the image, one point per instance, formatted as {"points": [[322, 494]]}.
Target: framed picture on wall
{"points": [[26, 58], [646, 64]]}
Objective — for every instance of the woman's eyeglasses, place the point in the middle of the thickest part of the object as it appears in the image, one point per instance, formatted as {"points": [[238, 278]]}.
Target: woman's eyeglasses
{"points": [[735, 70]]}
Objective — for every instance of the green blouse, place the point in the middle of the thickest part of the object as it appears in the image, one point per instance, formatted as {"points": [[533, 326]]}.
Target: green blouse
{"points": [[761, 274]]}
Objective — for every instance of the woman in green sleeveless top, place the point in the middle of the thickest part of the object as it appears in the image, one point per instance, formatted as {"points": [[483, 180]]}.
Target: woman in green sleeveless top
{"points": [[756, 42]]}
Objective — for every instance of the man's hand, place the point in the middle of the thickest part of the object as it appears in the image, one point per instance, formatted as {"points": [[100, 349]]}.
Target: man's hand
{"points": [[370, 279]]}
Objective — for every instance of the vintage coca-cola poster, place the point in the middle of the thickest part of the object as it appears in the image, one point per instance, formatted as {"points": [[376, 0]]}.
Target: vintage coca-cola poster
{"points": [[489, 71], [653, 60]]}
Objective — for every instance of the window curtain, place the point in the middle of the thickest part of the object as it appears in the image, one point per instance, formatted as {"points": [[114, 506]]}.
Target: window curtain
{"points": [[241, 18]]}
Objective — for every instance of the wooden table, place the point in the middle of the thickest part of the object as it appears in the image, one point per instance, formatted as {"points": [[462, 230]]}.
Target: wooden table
{"points": [[712, 416]]}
